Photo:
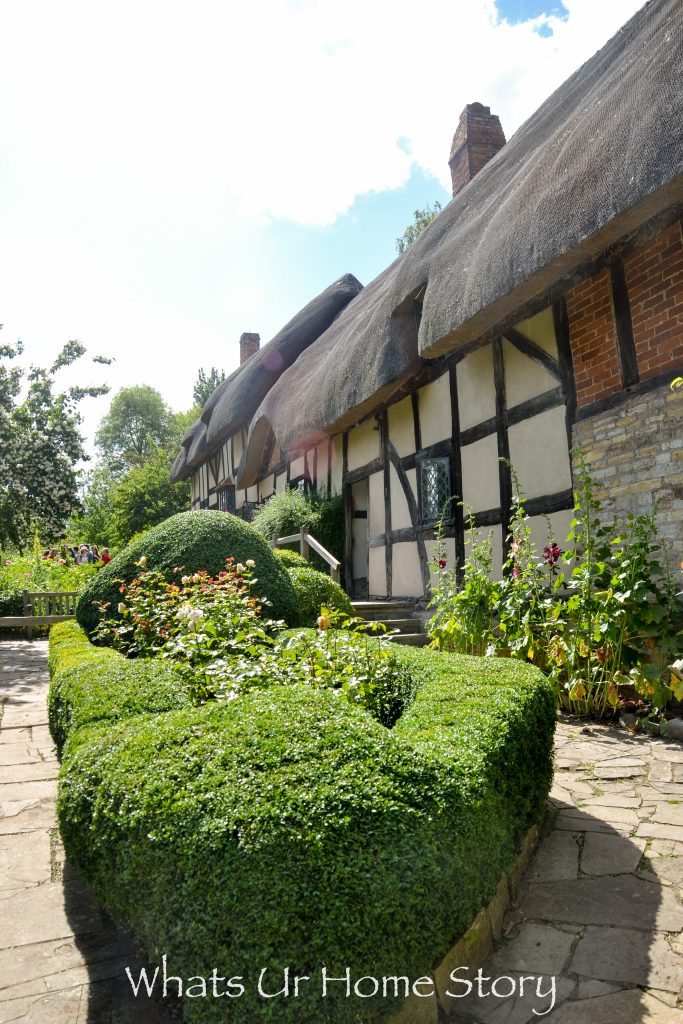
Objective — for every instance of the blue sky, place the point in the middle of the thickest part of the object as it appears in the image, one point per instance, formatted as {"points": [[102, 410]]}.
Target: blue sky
{"points": [[173, 174]]}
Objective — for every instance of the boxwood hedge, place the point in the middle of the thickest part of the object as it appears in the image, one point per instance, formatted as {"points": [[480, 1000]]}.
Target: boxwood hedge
{"points": [[195, 540], [314, 589], [92, 685], [289, 828]]}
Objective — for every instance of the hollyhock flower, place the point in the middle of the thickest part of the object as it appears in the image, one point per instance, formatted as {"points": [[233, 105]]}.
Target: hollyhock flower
{"points": [[250, 563], [551, 553], [323, 622], [442, 563]]}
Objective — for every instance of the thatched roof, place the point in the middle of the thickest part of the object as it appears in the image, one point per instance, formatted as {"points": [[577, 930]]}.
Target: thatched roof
{"points": [[600, 157], [231, 406]]}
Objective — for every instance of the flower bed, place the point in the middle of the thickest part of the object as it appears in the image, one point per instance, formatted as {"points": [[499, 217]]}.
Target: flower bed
{"points": [[288, 827]]}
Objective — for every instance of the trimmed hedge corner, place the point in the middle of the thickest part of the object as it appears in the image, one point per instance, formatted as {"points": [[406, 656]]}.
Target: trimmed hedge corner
{"points": [[93, 685], [289, 828], [290, 559], [194, 540], [314, 589]]}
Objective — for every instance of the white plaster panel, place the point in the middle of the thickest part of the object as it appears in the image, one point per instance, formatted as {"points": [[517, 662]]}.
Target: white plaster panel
{"points": [[541, 329], [431, 546], [238, 450], [406, 577], [377, 578], [496, 533], [296, 467], [376, 502], [280, 483], [321, 467], [252, 493], [524, 378], [265, 488], [480, 484], [540, 454], [337, 463], [476, 392], [363, 443], [435, 410], [412, 480], [402, 427], [559, 528], [400, 513]]}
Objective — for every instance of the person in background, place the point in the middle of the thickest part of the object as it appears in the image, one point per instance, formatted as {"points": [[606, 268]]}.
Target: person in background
{"points": [[105, 556], [84, 556], [95, 553]]}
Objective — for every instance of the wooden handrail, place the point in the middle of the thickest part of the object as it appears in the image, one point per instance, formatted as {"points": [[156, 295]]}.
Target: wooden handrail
{"points": [[307, 543]]}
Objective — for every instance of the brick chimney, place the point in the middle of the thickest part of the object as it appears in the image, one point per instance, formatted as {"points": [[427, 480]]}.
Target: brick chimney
{"points": [[479, 136], [249, 343]]}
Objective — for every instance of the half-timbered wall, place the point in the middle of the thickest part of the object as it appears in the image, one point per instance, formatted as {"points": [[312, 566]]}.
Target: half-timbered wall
{"points": [[592, 369], [507, 400]]}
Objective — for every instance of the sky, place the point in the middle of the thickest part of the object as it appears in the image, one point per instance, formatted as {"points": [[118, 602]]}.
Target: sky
{"points": [[173, 174]]}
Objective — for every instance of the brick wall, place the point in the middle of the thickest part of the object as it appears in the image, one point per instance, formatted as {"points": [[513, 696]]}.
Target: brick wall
{"points": [[593, 339], [654, 276], [635, 455]]}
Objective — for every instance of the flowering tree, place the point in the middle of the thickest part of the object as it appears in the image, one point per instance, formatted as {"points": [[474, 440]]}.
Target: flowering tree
{"points": [[40, 445]]}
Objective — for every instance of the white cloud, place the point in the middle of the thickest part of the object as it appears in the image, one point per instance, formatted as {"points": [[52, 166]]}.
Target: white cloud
{"points": [[143, 146], [280, 109]]}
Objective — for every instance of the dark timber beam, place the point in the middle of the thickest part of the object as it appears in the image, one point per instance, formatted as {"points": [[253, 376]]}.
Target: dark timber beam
{"points": [[533, 351], [414, 511], [504, 473], [624, 325]]}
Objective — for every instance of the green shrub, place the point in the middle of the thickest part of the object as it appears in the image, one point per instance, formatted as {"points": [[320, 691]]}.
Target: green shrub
{"points": [[193, 540], [290, 559], [19, 573], [288, 828], [314, 589], [289, 511], [93, 685]]}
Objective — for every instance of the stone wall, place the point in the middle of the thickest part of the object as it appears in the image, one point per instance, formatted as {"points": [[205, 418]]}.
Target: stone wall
{"points": [[635, 455]]}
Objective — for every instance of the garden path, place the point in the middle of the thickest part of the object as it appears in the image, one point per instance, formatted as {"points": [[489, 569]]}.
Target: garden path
{"points": [[600, 907], [62, 961]]}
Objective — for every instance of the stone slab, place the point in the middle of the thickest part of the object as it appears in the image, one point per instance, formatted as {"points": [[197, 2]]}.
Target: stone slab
{"points": [[35, 771], [627, 1007], [47, 912], [535, 948], [26, 815], [652, 830], [557, 858], [611, 855], [24, 859], [621, 902], [627, 956]]}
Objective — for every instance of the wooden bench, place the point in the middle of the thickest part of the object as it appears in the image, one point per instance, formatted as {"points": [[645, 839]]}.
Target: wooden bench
{"points": [[42, 608]]}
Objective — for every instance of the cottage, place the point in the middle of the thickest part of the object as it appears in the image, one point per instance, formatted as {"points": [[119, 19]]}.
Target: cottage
{"points": [[540, 311]]}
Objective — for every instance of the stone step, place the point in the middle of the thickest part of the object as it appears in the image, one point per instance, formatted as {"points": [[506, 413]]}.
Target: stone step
{"points": [[411, 639], [383, 610], [402, 625]]}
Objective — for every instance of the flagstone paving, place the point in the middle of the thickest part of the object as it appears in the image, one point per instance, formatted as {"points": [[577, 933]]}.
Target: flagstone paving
{"points": [[600, 908], [62, 961]]}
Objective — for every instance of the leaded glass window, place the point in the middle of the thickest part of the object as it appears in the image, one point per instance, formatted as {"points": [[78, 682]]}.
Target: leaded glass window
{"points": [[435, 478], [226, 499]]}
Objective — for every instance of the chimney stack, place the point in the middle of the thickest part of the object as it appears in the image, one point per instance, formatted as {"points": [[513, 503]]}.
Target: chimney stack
{"points": [[249, 344], [479, 136]]}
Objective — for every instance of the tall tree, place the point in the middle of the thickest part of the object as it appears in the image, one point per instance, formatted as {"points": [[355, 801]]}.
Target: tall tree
{"points": [[206, 384], [144, 497], [40, 446], [138, 422], [421, 219]]}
